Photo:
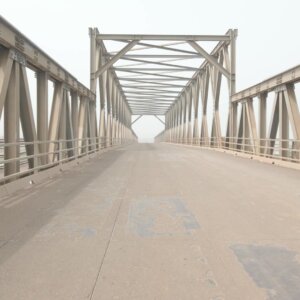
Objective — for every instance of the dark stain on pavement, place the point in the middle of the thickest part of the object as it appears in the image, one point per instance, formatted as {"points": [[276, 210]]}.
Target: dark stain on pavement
{"points": [[272, 268]]}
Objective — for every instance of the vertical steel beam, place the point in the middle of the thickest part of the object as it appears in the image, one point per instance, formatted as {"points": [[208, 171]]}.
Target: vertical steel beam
{"points": [[93, 124], [122, 119], [82, 125], [128, 122], [88, 129], [171, 119], [27, 119], [118, 99], [240, 131], [11, 122], [42, 114], [174, 130], [246, 133], [113, 112], [293, 110], [273, 126], [184, 127], [178, 124], [252, 126], [294, 117], [204, 97], [232, 118], [195, 91], [102, 87], [233, 36], [62, 133], [165, 132], [216, 78], [6, 63], [69, 126], [172, 123], [55, 120], [233, 123], [125, 121], [284, 127], [262, 121], [181, 124], [108, 106], [74, 113], [189, 111], [94, 56]]}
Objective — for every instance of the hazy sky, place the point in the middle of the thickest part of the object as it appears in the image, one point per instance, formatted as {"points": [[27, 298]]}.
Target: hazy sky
{"points": [[268, 40]]}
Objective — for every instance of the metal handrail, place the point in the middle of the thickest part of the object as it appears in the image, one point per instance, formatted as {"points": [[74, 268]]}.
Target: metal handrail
{"points": [[258, 147], [60, 155]]}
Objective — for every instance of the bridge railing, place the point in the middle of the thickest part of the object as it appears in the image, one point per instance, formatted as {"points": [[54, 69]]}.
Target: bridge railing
{"points": [[288, 150], [63, 151], [271, 131]]}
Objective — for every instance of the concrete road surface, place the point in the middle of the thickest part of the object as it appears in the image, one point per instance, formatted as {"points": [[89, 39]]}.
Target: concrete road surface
{"points": [[151, 221]]}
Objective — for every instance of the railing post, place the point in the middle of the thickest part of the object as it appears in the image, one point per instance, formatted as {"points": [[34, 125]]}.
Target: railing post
{"points": [[60, 156], [35, 158]]}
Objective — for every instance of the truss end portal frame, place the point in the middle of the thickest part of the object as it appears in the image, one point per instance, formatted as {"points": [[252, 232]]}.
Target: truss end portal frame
{"points": [[160, 74]]}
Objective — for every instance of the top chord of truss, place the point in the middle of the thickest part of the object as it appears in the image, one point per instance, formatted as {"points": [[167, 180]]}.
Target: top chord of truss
{"points": [[156, 37]]}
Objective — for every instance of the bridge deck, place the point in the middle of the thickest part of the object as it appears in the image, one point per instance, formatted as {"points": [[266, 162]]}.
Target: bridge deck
{"points": [[151, 221]]}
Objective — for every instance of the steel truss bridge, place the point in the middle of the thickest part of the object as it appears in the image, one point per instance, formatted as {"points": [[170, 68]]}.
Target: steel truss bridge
{"points": [[88, 213]]}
